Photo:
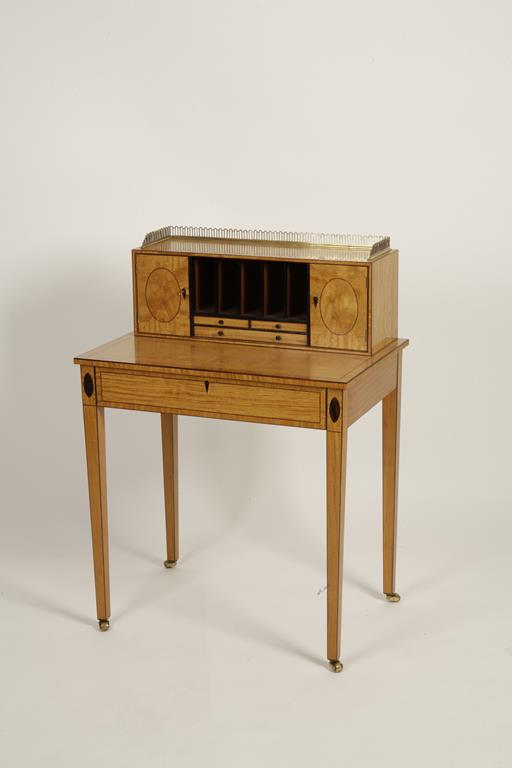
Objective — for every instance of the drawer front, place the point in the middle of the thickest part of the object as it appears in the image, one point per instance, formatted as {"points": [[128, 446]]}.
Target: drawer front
{"points": [[226, 322], [271, 337], [218, 399], [275, 325]]}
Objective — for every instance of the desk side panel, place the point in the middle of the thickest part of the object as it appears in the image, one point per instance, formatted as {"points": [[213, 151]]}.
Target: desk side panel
{"points": [[384, 301], [370, 387]]}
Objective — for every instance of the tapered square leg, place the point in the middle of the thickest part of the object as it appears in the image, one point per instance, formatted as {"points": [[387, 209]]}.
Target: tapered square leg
{"points": [[94, 427], [170, 465], [390, 450], [336, 481]]}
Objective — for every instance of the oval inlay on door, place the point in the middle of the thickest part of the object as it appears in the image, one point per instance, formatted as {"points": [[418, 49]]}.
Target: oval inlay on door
{"points": [[163, 295], [338, 306]]}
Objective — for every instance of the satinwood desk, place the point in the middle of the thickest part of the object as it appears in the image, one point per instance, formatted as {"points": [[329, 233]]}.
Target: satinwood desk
{"points": [[297, 388]]}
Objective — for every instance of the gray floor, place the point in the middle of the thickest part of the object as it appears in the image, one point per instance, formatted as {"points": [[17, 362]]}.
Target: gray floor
{"points": [[221, 661]]}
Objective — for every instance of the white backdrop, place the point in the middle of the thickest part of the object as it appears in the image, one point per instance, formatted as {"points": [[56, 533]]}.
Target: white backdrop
{"points": [[121, 117]]}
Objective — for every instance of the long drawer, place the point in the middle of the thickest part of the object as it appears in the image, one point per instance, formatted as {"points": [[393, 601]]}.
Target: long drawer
{"points": [[228, 322], [271, 337], [218, 399], [276, 325]]}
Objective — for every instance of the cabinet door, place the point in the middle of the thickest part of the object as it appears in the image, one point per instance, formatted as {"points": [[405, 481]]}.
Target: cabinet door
{"points": [[162, 294], [339, 306]]}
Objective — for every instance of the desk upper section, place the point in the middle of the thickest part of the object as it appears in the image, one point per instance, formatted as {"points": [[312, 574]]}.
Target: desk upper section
{"points": [[197, 356], [280, 289]]}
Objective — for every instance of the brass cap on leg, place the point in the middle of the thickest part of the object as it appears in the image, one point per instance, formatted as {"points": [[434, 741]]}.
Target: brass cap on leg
{"points": [[393, 597], [335, 665], [104, 624], [170, 563]]}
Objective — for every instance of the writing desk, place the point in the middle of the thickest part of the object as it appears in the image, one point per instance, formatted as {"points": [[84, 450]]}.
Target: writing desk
{"points": [[297, 388]]}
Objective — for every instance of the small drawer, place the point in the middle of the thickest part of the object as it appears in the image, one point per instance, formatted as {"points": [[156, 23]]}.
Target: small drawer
{"points": [[270, 337], [225, 322], [276, 325], [219, 399]]}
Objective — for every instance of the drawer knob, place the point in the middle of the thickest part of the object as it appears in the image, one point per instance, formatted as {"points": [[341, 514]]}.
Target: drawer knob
{"points": [[278, 338], [278, 325], [207, 386], [221, 322], [220, 333]]}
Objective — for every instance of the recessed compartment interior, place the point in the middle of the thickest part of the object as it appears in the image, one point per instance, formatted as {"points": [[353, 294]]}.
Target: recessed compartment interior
{"points": [[275, 289], [206, 286], [247, 288], [297, 296], [230, 296], [252, 289]]}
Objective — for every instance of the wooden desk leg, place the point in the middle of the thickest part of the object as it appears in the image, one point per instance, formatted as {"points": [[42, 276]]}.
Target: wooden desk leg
{"points": [[170, 463], [390, 448], [336, 466], [94, 426]]}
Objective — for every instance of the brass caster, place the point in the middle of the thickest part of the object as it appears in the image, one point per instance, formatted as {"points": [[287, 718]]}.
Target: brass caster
{"points": [[335, 665], [104, 624], [392, 597], [170, 563]]}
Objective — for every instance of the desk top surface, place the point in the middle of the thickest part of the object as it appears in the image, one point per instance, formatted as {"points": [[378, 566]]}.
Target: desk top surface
{"points": [[180, 355]]}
